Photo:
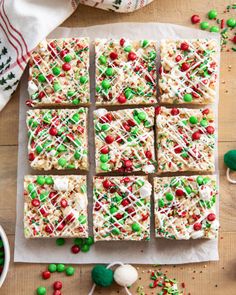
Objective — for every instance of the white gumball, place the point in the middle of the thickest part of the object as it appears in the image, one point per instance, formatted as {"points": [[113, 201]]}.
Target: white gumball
{"points": [[125, 275]]}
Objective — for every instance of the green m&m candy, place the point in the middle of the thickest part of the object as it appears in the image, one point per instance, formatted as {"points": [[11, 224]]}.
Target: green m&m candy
{"points": [[78, 242], [83, 79], [75, 101], [49, 180], [89, 241], [70, 271], [56, 86], [40, 180], [76, 117], [161, 203], [106, 84], [204, 122], [200, 180], [135, 227], [67, 58], [104, 167], [62, 162], [82, 219], [214, 29], [56, 71], [212, 14], [142, 116], [144, 43], [129, 93], [169, 197], [193, 120], [41, 290], [52, 267], [188, 97], [60, 242], [115, 231], [103, 59], [204, 25], [231, 22], [109, 72], [60, 267], [41, 78], [85, 248], [104, 158]]}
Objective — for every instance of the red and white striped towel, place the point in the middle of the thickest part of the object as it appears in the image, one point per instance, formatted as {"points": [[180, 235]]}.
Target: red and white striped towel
{"points": [[24, 23]]}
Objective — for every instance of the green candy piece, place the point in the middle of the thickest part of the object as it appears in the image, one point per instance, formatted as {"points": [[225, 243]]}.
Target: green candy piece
{"points": [[206, 180], [152, 55], [33, 195], [31, 187], [41, 290], [129, 93], [89, 241], [212, 14], [200, 180], [103, 59], [102, 276], [49, 180], [188, 97], [104, 167], [82, 219], [39, 149], [85, 248], [104, 158], [76, 101], [43, 196], [76, 117], [41, 180], [161, 203], [78, 242], [47, 118], [70, 93], [231, 22], [60, 241], [144, 43], [169, 197], [142, 116], [115, 231], [193, 120], [204, 25], [70, 271], [184, 155], [113, 210], [105, 127], [60, 267], [52, 267], [214, 29], [188, 189], [56, 86], [67, 58], [56, 71], [135, 227], [77, 155], [61, 148], [128, 48], [41, 78], [204, 123], [106, 84], [83, 79], [62, 162], [109, 72], [230, 159]]}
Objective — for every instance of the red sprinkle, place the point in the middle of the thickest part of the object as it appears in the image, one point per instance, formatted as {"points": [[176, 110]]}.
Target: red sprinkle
{"points": [[157, 110], [205, 112], [222, 23]]}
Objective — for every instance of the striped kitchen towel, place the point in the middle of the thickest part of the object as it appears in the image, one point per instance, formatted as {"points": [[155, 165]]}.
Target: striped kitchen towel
{"points": [[24, 23]]}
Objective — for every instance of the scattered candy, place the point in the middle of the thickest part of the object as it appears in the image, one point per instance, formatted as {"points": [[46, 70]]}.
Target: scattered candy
{"points": [[41, 291], [46, 275], [231, 22], [52, 267], [212, 14], [60, 241], [60, 267], [102, 276], [70, 271], [195, 19], [57, 285], [204, 25], [75, 249]]}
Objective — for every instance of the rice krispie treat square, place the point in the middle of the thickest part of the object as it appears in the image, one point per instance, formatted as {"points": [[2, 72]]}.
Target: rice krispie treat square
{"points": [[125, 72], [121, 208], [57, 139], [185, 207], [55, 206], [185, 139], [124, 140], [189, 71], [59, 73]]}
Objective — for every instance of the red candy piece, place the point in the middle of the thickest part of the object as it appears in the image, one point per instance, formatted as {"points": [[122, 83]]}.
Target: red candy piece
{"points": [[178, 150], [205, 112], [66, 67], [211, 217], [109, 139], [106, 184], [148, 154], [41, 95], [46, 274], [132, 56], [53, 131], [197, 226], [31, 156], [57, 285], [121, 98], [210, 129], [157, 110], [234, 39], [126, 126], [122, 42], [174, 112], [75, 249], [113, 55], [196, 135], [64, 203], [35, 203], [184, 46], [178, 58], [185, 66], [125, 202], [57, 292], [119, 139], [128, 164], [195, 19], [48, 229], [104, 150], [179, 192], [131, 122], [97, 206]]}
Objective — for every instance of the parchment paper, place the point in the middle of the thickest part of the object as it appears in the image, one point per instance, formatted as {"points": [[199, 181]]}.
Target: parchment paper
{"points": [[156, 251]]}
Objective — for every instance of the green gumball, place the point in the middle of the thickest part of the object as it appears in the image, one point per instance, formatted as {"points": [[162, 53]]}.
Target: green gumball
{"points": [[102, 276]]}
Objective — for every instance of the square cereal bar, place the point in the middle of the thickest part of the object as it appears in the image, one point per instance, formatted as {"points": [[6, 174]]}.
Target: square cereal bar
{"points": [[55, 206], [59, 73], [124, 140], [185, 140], [121, 208], [57, 139], [185, 207], [189, 71], [125, 72]]}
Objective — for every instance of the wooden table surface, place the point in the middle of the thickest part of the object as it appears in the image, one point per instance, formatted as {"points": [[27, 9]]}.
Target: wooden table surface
{"points": [[205, 278]]}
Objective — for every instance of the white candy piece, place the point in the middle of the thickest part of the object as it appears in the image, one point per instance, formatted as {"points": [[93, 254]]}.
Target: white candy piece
{"points": [[125, 275], [100, 112], [61, 184], [145, 190], [32, 88], [149, 168], [205, 192]]}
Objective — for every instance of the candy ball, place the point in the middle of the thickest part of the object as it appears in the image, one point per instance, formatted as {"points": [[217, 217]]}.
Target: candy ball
{"points": [[125, 275], [102, 276], [230, 159], [212, 14]]}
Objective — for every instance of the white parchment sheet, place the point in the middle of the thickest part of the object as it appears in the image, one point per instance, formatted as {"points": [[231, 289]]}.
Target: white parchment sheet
{"points": [[156, 251]]}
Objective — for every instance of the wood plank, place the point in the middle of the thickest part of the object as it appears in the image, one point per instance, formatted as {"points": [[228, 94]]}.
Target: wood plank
{"points": [[200, 278], [8, 166]]}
